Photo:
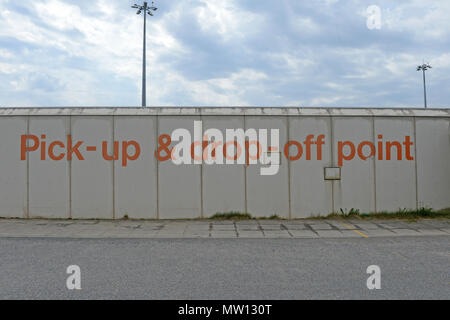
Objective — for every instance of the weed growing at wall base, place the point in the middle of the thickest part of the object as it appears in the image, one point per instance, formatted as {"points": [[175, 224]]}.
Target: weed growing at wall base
{"points": [[232, 215], [400, 214]]}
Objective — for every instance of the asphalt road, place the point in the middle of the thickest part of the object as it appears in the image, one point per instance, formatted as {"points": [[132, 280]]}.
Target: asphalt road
{"points": [[411, 268]]}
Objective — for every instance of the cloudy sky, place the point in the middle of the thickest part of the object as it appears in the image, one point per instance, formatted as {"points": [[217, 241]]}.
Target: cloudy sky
{"points": [[224, 52]]}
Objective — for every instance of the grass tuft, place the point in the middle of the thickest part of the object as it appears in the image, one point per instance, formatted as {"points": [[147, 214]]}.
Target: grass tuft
{"points": [[400, 214], [272, 217], [231, 215], [241, 216], [353, 213]]}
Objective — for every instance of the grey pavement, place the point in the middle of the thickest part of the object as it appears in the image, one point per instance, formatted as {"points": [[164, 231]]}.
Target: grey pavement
{"points": [[412, 267], [220, 229]]}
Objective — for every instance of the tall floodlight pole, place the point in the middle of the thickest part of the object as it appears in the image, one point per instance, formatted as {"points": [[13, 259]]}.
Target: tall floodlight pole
{"points": [[146, 9], [424, 67]]}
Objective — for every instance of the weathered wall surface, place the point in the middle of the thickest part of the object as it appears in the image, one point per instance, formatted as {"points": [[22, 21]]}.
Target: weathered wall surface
{"points": [[146, 188]]}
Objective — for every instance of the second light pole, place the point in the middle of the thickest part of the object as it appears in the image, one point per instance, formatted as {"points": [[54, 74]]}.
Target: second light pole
{"points": [[424, 67], [148, 10]]}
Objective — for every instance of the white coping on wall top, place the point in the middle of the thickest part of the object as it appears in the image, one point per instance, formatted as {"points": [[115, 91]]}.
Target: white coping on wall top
{"points": [[224, 111]]}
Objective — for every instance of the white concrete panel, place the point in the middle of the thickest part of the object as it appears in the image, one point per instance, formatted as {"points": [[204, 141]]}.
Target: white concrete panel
{"points": [[135, 183], [356, 188], [223, 185], [92, 178], [268, 195], [311, 194], [179, 185], [13, 171], [395, 180], [49, 179], [433, 162]]}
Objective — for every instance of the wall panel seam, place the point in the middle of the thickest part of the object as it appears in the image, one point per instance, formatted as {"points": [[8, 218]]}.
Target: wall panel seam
{"points": [[70, 172], [201, 171], [374, 167], [245, 176], [332, 160], [113, 168], [157, 166], [415, 164], [27, 213], [288, 137]]}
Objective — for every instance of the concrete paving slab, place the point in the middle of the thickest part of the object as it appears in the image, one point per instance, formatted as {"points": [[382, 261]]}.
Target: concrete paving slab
{"points": [[93, 222], [248, 228], [68, 234], [198, 226], [341, 225], [290, 226], [13, 228], [223, 227], [223, 221], [269, 222], [141, 236], [276, 234], [272, 228], [352, 234], [432, 232], [329, 233], [153, 228], [423, 226], [223, 234], [169, 235], [197, 235], [173, 227], [379, 233], [303, 234], [436, 223], [303, 221], [246, 222], [367, 226], [171, 232], [321, 226], [393, 225], [406, 232], [348, 226], [35, 232], [99, 234], [195, 231], [250, 234]]}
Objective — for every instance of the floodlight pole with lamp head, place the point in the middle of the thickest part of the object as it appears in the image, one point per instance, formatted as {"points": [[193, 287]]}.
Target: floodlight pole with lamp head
{"points": [[424, 67], [148, 10]]}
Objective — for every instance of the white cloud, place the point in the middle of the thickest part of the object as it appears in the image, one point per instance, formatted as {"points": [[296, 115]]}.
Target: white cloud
{"points": [[324, 101], [7, 68], [5, 54], [305, 25], [424, 19], [226, 19], [229, 90]]}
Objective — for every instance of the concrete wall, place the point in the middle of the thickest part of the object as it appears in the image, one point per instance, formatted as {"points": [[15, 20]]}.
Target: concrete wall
{"points": [[150, 189]]}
